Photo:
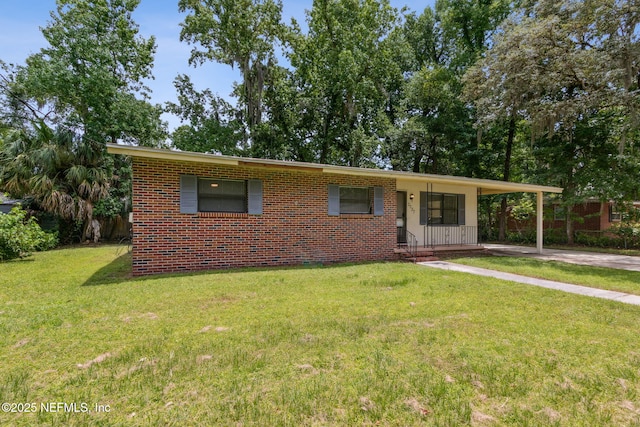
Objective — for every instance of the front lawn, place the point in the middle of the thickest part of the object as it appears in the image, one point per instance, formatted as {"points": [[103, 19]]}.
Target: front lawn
{"points": [[372, 344], [595, 277]]}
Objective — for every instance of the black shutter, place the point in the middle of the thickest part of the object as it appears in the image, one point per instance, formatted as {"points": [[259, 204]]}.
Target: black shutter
{"points": [[461, 210], [334, 200], [423, 208], [378, 201], [188, 194], [254, 199]]}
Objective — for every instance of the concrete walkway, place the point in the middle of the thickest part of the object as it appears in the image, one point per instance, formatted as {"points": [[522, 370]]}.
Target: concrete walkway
{"points": [[622, 262], [565, 287]]}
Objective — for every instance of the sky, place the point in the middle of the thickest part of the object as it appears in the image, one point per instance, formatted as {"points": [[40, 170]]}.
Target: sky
{"points": [[20, 37]]}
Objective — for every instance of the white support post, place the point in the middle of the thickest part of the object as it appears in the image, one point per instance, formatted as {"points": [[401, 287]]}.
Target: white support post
{"points": [[539, 223]]}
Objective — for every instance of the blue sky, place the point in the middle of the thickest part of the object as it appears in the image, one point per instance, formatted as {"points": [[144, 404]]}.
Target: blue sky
{"points": [[20, 37]]}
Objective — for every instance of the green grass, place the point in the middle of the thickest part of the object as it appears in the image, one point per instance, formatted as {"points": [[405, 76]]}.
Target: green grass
{"points": [[595, 277], [374, 344]]}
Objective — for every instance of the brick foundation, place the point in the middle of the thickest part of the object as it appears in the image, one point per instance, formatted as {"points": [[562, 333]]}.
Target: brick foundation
{"points": [[295, 227]]}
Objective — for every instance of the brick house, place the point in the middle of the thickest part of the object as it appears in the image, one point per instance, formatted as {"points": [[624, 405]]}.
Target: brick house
{"points": [[194, 211], [592, 216]]}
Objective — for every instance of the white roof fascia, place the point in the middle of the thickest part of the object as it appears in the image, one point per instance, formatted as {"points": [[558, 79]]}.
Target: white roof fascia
{"points": [[486, 186]]}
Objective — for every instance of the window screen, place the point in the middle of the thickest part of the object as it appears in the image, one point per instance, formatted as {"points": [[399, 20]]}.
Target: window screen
{"points": [[441, 209], [354, 200], [216, 195]]}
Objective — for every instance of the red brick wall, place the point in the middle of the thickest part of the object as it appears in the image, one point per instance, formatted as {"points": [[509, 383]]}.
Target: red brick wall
{"points": [[590, 214], [293, 229], [588, 211]]}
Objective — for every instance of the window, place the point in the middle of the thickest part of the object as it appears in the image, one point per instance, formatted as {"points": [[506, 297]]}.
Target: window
{"points": [[442, 209], [220, 195], [558, 213], [355, 200], [614, 214], [215, 195]]}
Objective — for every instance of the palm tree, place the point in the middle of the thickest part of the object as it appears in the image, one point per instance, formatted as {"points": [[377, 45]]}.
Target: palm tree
{"points": [[62, 172]]}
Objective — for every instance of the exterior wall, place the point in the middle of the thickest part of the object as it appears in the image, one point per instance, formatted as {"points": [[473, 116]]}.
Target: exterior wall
{"points": [[295, 227], [594, 217], [423, 234], [590, 214]]}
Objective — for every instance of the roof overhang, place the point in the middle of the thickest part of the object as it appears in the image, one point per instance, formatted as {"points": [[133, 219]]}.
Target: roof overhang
{"points": [[485, 186]]}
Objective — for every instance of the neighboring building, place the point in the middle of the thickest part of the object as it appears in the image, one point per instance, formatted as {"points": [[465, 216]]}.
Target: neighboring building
{"points": [[591, 216], [6, 204], [194, 211]]}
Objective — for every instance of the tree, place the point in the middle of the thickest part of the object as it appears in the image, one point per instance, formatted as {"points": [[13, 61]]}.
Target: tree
{"points": [[95, 49], [56, 170], [212, 123], [239, 33], [433, 130], [84, 89], [563, 66], [343, 68]]}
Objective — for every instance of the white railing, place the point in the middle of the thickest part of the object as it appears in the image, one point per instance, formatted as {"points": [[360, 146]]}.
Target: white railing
{"points": [[443, 235]]}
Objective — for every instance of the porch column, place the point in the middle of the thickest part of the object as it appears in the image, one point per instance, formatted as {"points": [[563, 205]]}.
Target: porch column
{"points": [[539, 223]]}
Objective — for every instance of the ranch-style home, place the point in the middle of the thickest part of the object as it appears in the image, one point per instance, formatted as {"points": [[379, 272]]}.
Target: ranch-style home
{"points": [[194, 211]]}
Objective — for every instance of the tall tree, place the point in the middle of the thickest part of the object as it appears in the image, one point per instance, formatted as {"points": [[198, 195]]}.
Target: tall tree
{"points": [[343, 67], [434, 131], [94, 48], [212, 124], [562, 66], [55, 170], [239, 33], [84, 89]]}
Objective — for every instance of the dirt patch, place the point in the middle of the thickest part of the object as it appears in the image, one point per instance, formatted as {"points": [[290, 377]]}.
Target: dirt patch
{"points": [[203, 358], [415, 406], [307, 368], [630, 406], [306, 338], [168, 388], [21, 343], [553, 415], [98, 359], [478, 418], [366, 404], [142, 363]]}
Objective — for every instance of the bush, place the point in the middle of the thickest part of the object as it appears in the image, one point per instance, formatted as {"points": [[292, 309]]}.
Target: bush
{"points": [[19, 235], [628, 233]]}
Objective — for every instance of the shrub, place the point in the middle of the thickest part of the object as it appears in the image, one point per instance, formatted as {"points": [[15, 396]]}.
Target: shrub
{"points": [[628, 233], [19, 235]]}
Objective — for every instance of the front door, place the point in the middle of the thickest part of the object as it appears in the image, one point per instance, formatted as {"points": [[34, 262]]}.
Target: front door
{"points": [[401, 216]]}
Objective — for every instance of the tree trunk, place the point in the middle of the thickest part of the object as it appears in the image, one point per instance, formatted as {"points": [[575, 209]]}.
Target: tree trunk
{"points": [[502, 231], [569, 225], [502, 220]]}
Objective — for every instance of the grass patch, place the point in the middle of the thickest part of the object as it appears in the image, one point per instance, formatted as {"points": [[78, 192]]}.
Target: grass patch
{"points": [[595, 277], [385, 343]]}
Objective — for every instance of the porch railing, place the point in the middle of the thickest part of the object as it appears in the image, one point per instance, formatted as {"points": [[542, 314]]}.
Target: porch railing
{"points": [[411, 244], [443, 235]]}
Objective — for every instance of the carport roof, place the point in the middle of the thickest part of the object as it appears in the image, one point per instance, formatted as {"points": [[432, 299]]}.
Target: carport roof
{"points": [[485, 186]]}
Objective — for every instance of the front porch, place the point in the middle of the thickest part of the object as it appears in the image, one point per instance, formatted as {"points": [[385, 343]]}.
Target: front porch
{"points": [[436, 241]]}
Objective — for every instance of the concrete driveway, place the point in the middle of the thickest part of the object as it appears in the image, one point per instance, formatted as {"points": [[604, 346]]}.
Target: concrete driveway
{"points": [[622, 262]]}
